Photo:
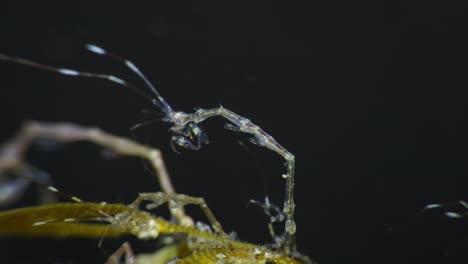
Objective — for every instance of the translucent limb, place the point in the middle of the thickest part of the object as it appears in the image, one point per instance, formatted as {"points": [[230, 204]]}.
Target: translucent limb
{"points": [[261, 138], [183, 142], [185, 127], [160, 198], [16, 175], [13, 153], [126, 250]]}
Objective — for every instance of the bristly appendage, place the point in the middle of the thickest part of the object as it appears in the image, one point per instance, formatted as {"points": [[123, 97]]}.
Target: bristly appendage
{"points": [[187, 132]]}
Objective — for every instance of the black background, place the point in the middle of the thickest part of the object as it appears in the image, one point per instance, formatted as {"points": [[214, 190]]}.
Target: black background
{"points": [[368, 95]]}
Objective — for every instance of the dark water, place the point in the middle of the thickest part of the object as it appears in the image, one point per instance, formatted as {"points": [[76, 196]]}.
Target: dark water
{"points": [[368, 95]]}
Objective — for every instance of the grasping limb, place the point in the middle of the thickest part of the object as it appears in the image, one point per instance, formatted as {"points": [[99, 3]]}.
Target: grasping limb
{"points": [[13, 152], [160, 198], [261, 138], [192, 136]]}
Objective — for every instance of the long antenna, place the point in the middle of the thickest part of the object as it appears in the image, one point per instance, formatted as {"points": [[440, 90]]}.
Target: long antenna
{"points": [[160, 102], [70, 72]]}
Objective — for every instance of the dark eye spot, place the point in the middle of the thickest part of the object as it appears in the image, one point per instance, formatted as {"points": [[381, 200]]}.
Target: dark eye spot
{"points": [[270, 262]]}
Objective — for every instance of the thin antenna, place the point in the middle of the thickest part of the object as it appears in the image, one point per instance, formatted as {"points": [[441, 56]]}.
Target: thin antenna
{"points": [[70, 72], [55, 190], [160, 102], [189, 135]]}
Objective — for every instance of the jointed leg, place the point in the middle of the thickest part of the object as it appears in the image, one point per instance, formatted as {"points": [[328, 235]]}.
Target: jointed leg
{"points": [[12, 154], [261, 138], [124, 249], [160, 198]]}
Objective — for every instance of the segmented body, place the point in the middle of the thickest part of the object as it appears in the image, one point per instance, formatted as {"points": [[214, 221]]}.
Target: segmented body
{"points": [[190, 245]]}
